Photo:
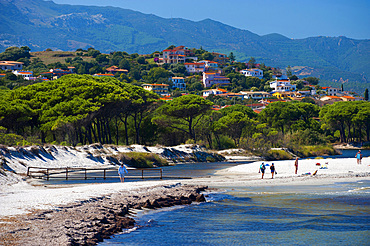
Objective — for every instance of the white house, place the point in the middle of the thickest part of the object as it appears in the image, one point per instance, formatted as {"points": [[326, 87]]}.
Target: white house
{"points": [[280, 77], [255, 94], [210, 79], [179, 82], [11, 65], [254, 72], [195, 67], [210, 64], [331, 91], [282, 85], [217, 91], [28, 75]]}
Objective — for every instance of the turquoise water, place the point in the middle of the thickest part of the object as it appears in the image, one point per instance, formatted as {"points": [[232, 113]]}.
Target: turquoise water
{"points": [[337, 214]]}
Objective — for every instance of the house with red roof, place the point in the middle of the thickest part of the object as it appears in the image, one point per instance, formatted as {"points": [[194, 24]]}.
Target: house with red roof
{"points": [[115, 69], [220, 58], [331, 91], [177, 55], [27, 75], [160, 89], [11, 65], [195, 67]]}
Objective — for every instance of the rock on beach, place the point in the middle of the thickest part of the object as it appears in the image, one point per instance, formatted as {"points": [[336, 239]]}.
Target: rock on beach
{"points": [[91, 221]]}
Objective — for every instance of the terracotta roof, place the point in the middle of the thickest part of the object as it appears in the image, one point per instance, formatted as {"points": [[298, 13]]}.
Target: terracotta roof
{"points": [[156, 84], [349, 97], [177, 78]]}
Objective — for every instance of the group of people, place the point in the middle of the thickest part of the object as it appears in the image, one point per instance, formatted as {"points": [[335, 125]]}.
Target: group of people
{"points": [[263, 168], [273, 170]]}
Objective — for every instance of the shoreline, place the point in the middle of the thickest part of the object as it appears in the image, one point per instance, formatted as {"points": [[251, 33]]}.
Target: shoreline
{"points": [[84, 214], [90, 221]]}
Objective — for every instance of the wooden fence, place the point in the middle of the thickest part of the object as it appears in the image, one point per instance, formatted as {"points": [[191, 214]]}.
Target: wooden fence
{"points": [[89, 173]]}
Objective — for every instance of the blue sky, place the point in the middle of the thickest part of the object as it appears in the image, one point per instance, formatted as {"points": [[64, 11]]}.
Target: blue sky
{"points": [[291, 18]]}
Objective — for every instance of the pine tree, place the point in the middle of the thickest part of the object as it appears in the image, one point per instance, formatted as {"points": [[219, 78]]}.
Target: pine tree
{"points": [[366, 95]]}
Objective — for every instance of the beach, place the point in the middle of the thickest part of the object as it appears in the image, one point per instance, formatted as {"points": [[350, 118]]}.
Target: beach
{"points": [[22, 201]]}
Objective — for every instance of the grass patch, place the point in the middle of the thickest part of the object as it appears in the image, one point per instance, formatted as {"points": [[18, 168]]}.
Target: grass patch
{"points": [[315, 150], [49, 57], [278, 155], [142, 160]]}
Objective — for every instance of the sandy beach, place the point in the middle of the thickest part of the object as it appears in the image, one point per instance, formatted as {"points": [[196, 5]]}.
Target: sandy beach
{"points": [[23, 199]]}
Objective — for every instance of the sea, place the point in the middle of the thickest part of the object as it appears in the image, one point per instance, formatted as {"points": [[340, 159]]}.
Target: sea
{"points": [[335, 214]]}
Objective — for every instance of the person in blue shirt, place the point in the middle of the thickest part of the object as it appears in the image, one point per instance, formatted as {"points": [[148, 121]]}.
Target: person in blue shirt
{"points": [[121, 172], [262, 169], [359, 157]]}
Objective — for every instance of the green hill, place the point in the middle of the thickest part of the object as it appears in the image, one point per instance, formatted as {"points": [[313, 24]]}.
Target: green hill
{"points": [[44, 24]]}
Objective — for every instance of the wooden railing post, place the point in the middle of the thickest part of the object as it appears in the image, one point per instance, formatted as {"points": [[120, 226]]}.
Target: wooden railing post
{"points": [[104, 173], [28, 171], [161, 172], [142, 173], [85, 174], [47, 174], [67, 173]]}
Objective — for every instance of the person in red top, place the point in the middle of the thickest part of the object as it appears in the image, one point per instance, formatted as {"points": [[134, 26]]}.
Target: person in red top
{"points": [[296, 165]]}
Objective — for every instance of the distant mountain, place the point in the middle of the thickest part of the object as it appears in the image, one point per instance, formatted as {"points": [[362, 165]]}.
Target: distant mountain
{"points": [[44, 24]]}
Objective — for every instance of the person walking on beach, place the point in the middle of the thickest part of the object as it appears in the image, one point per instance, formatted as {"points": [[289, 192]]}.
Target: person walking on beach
{"points": [[359, 157], [262, 169], [121, 172], [272, 168], [296, 165]]}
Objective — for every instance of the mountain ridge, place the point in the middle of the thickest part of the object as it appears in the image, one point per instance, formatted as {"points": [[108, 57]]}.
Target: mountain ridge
{"points": [[68, 27]]}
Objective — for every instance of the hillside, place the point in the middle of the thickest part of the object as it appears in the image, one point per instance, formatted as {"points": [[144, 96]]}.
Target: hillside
{"points": [[44, 24]]}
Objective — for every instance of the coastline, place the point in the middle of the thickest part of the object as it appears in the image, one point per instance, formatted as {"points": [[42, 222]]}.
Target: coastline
{"points": [[100, 210], [90, 221]]}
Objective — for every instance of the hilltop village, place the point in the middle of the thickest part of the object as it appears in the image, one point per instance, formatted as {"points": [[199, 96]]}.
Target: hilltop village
{"points": [[177, 71], [174, 96]]}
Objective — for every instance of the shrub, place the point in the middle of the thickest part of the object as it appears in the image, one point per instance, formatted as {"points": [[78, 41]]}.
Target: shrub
{"points": [[12, 139], [315, 150], [141, 160], [278, 155]]}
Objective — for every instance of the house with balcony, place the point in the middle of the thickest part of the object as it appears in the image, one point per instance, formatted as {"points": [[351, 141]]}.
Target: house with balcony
{"points": [[176, 55], [331, 91], [282, 85], [160, 89], [179, 82], [195, 67], [255, 94], [213, 78], [220, 58], [254, 72], [11, 65]]}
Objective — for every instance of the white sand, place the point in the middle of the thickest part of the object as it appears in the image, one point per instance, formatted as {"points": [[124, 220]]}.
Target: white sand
{"points": [[22, 198]]}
